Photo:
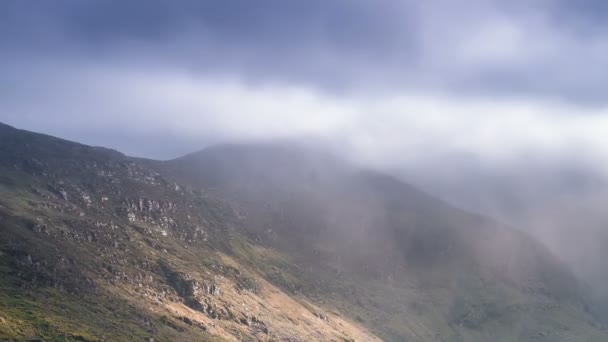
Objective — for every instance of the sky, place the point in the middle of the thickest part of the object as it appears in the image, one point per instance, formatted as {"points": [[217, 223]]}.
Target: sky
{"points": [[498, 107], [387, 81]]}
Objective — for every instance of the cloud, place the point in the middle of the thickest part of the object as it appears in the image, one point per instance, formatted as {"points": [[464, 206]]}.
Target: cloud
{"points": [[390, 80], [96, 102], [459, 95], [551, 49]]}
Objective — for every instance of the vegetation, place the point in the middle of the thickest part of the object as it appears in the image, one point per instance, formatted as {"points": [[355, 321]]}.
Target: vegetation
{"points": [[96, 246]]}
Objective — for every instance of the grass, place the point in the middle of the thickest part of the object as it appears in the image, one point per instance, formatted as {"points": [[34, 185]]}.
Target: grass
{"points": [[60, 303], [53, 315], [468, 308]]}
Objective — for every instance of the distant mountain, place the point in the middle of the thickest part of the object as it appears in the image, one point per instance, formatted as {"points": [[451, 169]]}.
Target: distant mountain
{"points": [[260, 242]]}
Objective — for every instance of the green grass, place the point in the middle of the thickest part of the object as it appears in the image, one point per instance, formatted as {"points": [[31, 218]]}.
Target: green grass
{"points": [[434, 302], [53, 315]]}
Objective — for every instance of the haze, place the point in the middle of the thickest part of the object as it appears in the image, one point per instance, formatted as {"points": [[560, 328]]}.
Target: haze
{"points": [[497, 107], [392, 81]]}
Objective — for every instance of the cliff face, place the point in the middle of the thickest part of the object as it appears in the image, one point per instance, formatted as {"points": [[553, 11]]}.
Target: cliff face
{"points": [[257, 243]]}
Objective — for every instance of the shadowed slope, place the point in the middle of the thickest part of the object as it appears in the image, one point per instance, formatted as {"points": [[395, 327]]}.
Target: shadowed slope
{"points": [[404, 263], [258, 242]]}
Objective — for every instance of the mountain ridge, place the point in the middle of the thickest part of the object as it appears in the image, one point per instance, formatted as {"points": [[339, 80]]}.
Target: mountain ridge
{"points": [[260, 247]]}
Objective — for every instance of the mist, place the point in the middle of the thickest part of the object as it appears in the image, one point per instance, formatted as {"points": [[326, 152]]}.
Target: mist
{"points": [[392, 82], [558, 201], [494, 107]]}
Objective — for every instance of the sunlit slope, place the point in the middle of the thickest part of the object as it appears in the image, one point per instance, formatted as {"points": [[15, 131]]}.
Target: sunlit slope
{"points": [[97, 247], [258, 243]]}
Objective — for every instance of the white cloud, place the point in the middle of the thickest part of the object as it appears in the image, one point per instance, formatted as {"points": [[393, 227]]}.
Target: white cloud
{"points": [[377, 128]]}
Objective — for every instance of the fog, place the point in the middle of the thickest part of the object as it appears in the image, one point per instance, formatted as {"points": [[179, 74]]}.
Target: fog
{"points": [[559, 201], [497, 108]]}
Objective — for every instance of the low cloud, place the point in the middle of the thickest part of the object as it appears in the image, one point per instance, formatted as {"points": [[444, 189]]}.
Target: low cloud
{"points": [[460, 96], [385, 129], [392, 81]]}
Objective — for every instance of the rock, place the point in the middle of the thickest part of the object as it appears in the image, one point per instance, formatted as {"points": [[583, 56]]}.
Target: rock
{"points": [[321, 316], [186, 320]]}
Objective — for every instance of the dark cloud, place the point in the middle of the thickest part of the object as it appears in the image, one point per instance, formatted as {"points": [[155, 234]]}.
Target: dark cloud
{"points": [[372, 72], [491, 48], [455, 92]]}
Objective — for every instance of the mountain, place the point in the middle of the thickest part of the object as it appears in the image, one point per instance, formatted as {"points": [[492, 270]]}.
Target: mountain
{"points": [[561, 202], [259, 242]]}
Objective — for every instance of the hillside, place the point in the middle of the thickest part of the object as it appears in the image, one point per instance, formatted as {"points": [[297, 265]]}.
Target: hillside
{"points": [[408, 265], [258, 243], [97, 247], [560, 202]]}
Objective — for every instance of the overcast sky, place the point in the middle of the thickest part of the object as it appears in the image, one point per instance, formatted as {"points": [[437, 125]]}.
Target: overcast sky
{"points": [[389, 80]]}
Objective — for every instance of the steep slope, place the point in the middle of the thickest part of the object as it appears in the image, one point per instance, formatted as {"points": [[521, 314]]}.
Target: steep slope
{"points": [[404, 264], [258, 243], [95, 246], [561, 202]]}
